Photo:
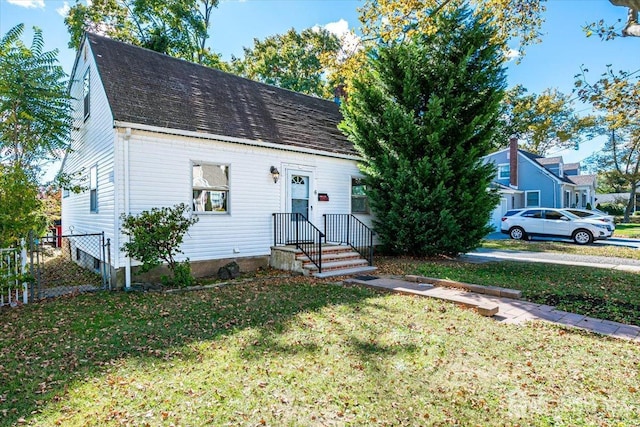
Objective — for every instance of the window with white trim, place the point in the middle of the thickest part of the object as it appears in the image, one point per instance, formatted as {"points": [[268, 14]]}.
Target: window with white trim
{"points": [[359, 201], [210, 187], [532, 198], [86, 88], [93, 189], [504, 171]]}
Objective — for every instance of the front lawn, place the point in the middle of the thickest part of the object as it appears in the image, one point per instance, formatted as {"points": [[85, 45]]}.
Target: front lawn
{"points": [[300, 352], [627, 230], [595, 292]]}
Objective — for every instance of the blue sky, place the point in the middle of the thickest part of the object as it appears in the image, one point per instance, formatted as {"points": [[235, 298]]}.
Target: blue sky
{"points": [[551, 64]]}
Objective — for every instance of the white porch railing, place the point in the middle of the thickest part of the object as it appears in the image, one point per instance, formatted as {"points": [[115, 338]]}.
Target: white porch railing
{"points": [[13, 263]]}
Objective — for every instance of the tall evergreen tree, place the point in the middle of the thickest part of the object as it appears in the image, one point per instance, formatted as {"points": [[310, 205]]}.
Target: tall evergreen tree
{"points": [[422, 118]]}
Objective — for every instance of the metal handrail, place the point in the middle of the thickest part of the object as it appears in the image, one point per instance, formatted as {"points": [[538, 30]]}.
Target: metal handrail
{"points": [[296, 229], [348, 229]]}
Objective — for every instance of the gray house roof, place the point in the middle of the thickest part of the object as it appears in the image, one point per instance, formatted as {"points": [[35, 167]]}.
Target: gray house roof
{"points": [[571, 166], [545, 161], [582, 179], [150, 88]]}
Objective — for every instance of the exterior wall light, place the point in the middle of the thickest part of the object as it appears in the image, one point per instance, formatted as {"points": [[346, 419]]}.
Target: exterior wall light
{"points": [[275, 174]]}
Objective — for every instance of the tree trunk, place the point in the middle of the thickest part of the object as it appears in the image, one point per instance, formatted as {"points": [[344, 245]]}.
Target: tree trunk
{"points": [[631, 203]]}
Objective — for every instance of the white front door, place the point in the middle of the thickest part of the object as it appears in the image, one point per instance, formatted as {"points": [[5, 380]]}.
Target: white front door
{"points": [[299, 193]]}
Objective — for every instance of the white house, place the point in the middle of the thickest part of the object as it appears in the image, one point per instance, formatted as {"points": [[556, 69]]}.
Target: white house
{"points": [[151, 131]]}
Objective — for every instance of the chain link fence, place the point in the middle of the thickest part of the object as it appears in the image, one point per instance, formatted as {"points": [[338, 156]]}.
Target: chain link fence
{"points": [[68, 264]]}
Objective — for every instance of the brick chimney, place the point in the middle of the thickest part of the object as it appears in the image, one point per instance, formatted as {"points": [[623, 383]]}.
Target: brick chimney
{"points": [[339, 94], [513, 162]]}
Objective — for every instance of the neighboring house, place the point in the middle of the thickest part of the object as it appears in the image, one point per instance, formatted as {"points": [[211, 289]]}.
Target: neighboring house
{"points": [[620, 199], [524, 179], [151, 130]]}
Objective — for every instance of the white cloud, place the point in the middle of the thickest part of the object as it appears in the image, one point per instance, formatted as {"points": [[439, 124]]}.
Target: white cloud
{"points": [[64, 9], [338, 28], [28, 3], [350, 41], [512, 54]]}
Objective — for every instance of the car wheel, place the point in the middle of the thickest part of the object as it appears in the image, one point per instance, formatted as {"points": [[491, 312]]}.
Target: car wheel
{"points": [[517, 233], [582, 237]]}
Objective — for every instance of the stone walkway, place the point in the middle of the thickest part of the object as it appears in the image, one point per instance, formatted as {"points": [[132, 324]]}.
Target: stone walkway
{"points": [[509, 310]]}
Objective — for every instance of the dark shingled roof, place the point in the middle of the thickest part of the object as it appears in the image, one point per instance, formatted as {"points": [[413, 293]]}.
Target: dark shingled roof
{"points": [[153, 89]]}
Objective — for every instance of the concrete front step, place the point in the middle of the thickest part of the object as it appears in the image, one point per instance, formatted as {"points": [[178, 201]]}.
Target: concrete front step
{"points": [[330, 257], [345, 272], [338, 265], [330, 249]]}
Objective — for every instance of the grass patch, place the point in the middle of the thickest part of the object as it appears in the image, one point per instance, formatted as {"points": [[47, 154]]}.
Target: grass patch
{"points": [[302, 352], [561, 247], [627, 230], [595, 292]]}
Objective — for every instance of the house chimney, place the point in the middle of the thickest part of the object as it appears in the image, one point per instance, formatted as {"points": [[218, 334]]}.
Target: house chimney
{"points": [[513, 162], [339, 94]]}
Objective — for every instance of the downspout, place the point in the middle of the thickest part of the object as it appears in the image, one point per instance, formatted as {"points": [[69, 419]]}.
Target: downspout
{"points": [[127, 261]]}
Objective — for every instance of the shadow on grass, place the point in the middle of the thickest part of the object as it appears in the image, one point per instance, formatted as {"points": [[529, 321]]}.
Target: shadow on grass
{"points": [[46, 347]]}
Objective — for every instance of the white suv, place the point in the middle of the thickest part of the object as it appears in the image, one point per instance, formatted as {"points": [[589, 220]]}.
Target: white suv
{"points": [[522, 223]]}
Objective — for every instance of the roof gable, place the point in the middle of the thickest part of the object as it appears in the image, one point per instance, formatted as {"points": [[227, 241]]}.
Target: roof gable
{"points": [[149, 88]]}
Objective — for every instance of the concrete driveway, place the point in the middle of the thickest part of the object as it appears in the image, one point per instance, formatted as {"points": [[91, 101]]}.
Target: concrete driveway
{"points": [[612, 241]]}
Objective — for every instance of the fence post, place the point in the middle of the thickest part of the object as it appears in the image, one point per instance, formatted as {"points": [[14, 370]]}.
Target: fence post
{"points": [[103, 267], [108, 266], [23, 270]]}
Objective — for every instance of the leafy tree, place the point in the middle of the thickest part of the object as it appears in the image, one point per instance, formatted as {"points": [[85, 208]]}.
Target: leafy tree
{"points": [[397, 19], [20, 208], [176, 27], [155, 237], [35, 120], [295, 61], [422, 118], [542, 122], [34, 105], [616, 96]]}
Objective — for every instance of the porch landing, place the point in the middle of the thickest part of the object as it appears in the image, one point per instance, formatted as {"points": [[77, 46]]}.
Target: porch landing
{"points": [[337, 260]]}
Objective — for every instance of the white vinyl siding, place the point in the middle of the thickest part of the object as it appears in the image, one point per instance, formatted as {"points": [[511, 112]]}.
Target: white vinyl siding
{"points": [[92, 144], [162, 176]]}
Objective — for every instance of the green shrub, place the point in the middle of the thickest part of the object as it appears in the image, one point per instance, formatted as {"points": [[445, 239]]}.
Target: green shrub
{"points": [[182, 276], [612, 208], [156, 236]]}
